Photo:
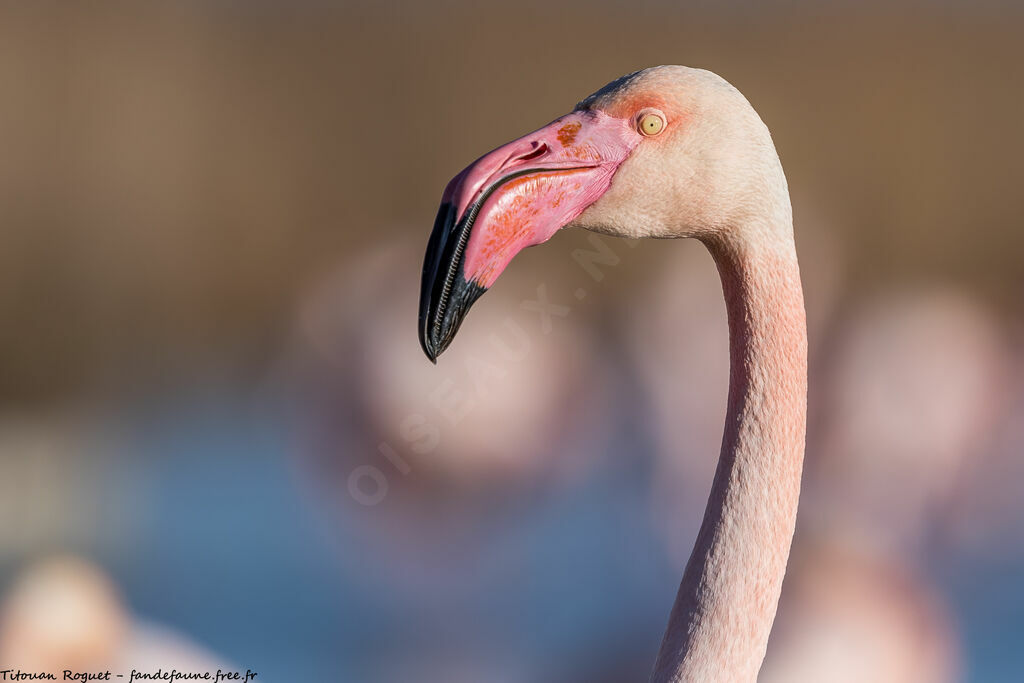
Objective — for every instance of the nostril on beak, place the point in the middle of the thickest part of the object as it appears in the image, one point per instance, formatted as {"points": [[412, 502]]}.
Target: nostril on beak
{"points": [[539, 149]]}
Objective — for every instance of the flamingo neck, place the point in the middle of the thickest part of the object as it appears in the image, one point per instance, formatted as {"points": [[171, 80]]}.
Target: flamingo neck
{"points": [[723, 613]]}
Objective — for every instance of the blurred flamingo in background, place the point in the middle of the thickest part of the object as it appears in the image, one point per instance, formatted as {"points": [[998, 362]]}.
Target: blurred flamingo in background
{"points": [[848, 615], [913, 389], [668, 152], [489, 461], [66, 613], [915, 385]]}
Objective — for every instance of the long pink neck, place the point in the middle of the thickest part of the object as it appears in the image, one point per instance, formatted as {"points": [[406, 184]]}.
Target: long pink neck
{"points": [[723, 613]]}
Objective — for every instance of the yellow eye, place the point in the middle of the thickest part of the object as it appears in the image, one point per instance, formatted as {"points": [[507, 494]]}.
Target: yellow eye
{"points": [[650, 123]]}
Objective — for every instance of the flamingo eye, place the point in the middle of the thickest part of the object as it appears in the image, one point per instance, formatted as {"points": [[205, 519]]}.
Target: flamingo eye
{"points": [[650, 123]]}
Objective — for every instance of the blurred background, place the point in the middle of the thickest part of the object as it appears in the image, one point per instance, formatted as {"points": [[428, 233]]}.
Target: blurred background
{"points": [[221, 445]]}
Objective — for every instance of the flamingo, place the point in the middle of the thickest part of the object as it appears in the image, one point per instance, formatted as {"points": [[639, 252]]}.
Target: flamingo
{"points": [[64, 612], [849, 615], [665, 152]]}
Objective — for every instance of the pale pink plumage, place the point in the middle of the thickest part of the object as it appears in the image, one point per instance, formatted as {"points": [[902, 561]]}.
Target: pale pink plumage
{"points": [[707, 169], [720, 181]]}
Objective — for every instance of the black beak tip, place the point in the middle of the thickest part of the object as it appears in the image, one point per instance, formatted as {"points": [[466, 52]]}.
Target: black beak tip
{"points": [[443, 317], [427, 341], [445, 294], [428, 349]]}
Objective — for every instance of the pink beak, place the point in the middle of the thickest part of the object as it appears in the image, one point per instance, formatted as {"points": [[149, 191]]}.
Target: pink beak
{"points": [[517, 196]]}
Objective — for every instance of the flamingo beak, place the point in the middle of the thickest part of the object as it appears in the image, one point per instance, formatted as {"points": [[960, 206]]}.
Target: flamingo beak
{"points": [[517, 196]]}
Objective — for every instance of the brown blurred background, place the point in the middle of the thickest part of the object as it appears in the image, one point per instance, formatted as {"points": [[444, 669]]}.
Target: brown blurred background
{"points": [[211, 218]]}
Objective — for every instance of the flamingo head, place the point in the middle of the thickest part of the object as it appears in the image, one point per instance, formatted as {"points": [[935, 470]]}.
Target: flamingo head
{"points": [[657, 153]]}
